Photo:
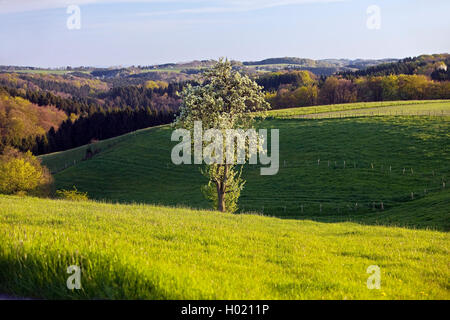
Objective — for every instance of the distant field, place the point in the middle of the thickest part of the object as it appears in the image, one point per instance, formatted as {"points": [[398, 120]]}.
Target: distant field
{"points": [[431, 109], [331, 170], [161, 70], [413, 107], [147, 252]]}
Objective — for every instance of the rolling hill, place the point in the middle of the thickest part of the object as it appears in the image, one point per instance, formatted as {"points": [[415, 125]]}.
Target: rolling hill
{"points": [[334, 225], [151, 252], [332, 169]]}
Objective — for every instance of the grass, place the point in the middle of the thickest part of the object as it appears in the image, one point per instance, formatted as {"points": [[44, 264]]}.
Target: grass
{"points": [[430, 212], [149, 252], [408, 154], [426, 109], [392, 108], [60, 161], [333, 229]]}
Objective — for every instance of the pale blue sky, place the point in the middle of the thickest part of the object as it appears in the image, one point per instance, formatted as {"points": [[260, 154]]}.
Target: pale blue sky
{"points": [[145, 32]]}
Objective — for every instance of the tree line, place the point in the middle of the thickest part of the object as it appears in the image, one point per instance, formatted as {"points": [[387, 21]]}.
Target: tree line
{"points": [[98, 126], [434, 66], [334, 90], [75, 105], [119, 111], [272, 81]]}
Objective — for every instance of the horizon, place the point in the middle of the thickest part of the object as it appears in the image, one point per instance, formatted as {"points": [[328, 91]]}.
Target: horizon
{"points": [[60, 67], [152, 32]]}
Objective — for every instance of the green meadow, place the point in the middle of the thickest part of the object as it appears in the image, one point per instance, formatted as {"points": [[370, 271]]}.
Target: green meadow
{"points": [[351, 192], [410, 107], [330, 169], [151, 252]]}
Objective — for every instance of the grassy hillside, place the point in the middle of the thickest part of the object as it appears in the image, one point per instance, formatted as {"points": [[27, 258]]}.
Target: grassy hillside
{"points": [[331, 169], [148, 252], [411, 107], [430, 212], [347, 187]]}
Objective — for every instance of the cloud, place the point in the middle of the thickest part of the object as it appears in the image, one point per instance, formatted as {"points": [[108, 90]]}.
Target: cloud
{"points": [[203, 6]]}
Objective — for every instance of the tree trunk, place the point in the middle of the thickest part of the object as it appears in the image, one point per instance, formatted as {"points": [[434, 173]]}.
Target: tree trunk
{"points": [[221, 200], [221, 189]]}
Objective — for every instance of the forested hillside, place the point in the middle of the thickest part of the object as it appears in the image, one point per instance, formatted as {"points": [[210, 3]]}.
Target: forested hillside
{"points": [[92, 113], [434, 66], [302, 88], [21, 121]]}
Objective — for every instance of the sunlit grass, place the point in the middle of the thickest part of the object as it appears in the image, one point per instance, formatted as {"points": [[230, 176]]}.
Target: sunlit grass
{"points": [[148, 252], [336, 172], [410, 107]]}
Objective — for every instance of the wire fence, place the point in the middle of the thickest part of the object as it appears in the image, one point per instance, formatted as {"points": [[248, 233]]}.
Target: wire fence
{"points": [[295, 202], [367, 113]]}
